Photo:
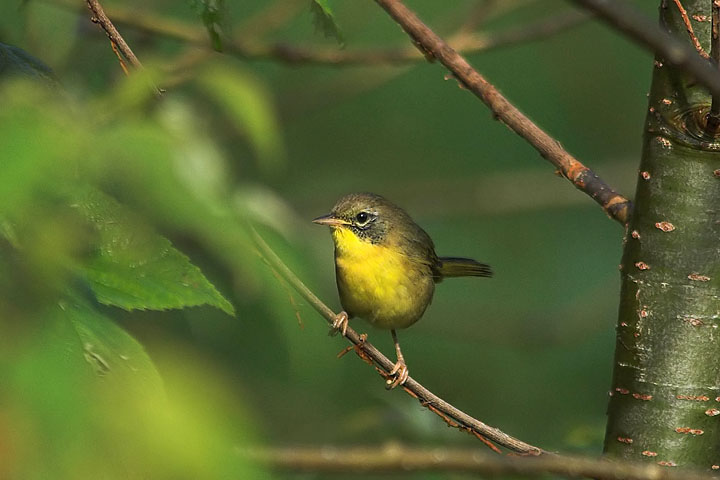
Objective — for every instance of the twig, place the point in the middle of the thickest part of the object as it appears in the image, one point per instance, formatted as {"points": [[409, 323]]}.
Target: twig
{"points": [[120, 58], [397, 458], [713, 117], [453, 416], [117, 42], [614, 204], [644, 31], [100, 18], [323, 55], [689, 28]]}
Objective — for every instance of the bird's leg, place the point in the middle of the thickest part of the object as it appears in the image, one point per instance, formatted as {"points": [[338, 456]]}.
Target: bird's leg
{"points": [[400, 369], [340, 324]]}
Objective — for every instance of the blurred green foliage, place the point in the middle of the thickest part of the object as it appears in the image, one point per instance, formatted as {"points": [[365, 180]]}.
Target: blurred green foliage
{"points": [[325, 20], [124, 244], [213, 14]]}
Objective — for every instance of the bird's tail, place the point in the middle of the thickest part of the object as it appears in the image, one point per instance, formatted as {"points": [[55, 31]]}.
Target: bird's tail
{"points": [[463, 267]]}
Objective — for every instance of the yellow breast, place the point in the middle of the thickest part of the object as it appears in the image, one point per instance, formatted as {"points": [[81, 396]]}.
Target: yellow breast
{"points": [[379, 283]]}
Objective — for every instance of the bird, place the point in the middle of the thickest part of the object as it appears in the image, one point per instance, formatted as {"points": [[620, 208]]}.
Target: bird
{"points": [[386, 267]]}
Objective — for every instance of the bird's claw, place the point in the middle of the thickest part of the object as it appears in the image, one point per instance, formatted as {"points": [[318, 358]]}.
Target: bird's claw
{"points": [[340, 324], [398, 375]]}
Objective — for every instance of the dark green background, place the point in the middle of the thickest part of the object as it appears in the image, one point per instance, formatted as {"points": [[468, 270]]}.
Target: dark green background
{"points": [[530, 350]]}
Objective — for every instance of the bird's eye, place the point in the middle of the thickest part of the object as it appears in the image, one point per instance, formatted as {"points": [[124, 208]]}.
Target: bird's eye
{"points": [[362, 218]]}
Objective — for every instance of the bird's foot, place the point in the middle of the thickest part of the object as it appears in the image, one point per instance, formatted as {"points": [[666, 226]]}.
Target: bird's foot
{"points": [[398, 375], [340, 324], [358, 350]]}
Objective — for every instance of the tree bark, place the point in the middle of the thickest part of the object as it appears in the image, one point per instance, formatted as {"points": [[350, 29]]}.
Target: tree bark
{"points": [[665, 397]]}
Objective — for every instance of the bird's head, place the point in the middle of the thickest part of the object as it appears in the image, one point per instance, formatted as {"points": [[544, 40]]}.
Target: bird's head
{"points": [[366, 215]]}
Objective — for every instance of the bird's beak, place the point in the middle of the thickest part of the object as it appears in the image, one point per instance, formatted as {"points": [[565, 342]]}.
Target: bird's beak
{"points": [[330, 221]]}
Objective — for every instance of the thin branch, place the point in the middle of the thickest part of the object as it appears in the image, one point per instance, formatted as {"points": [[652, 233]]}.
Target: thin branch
{"points": [[100, 18], [644, 31], [689, 28], [323, 55], [614, 204], [117, 42], [397, 459], [453, 416], [120, 58]]}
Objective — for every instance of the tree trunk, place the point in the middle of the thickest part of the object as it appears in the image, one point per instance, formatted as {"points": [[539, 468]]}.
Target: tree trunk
{"points": [[665, 396]]}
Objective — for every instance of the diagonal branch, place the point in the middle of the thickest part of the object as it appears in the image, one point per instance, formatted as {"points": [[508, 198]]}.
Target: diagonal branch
{"points": [[100, 18], [645, 32], [614, 204], [453, 416], [401, 459], [117, 42]]}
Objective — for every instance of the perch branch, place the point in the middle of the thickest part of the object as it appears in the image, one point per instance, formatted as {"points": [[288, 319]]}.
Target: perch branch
{"points": [[453, 416], [614, 204], [397, 459], [644, 31]]}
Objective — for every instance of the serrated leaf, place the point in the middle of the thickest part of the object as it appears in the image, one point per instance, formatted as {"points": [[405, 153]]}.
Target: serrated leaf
{"points": [[137, 269], [109, 350], [324, 20]]}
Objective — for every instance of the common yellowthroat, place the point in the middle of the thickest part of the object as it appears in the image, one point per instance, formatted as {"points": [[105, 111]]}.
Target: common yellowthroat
{"points": [[386, 267]]}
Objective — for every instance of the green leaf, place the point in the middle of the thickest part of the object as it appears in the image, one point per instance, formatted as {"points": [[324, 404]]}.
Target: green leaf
{"points": [[110, 350], [213, 14], [250, 107], [324, 20], [39, 147], [136, 268]]}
